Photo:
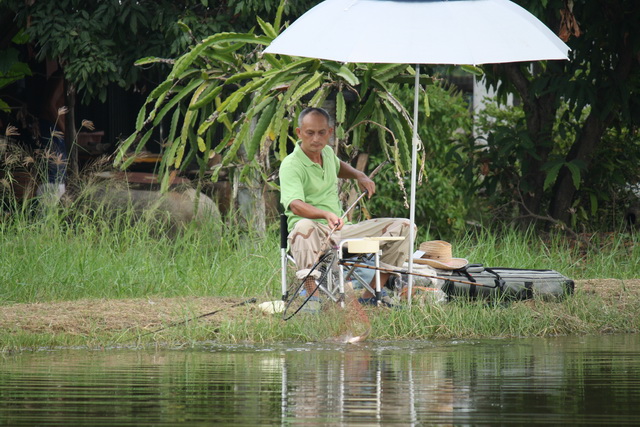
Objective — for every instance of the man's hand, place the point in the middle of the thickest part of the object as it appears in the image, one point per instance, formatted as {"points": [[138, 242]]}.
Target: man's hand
{"points": [[305, 210], [334, 221], [366, 184]]}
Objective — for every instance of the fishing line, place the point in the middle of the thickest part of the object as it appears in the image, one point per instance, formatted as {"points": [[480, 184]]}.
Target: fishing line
{"points": [[211, 313]]}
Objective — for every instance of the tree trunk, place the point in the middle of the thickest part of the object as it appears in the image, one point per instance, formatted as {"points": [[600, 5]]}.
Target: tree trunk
{"points": [[540, 115], [248, 196], [583, 149], [250, 201]]}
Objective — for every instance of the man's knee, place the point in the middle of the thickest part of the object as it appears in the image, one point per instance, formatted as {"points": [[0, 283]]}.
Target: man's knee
{"points": [[305, 230], [405, 226], [400, 227]]}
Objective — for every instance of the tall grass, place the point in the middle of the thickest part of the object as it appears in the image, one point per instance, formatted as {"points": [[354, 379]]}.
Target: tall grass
{"points": [[610, 255], [59, 255], [70, 253]]}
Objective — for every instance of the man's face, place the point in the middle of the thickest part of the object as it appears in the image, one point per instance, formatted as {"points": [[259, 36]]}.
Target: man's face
{"points": [[314, 133]]}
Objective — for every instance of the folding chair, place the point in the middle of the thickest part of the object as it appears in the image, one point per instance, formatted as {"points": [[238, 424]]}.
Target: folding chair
{"points": [[346, 248]]}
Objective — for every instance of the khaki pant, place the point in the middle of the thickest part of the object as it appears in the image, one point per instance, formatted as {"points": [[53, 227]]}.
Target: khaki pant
{"points": [[308, 237]]}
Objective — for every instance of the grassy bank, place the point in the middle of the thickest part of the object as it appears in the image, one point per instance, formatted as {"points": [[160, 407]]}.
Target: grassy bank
{"points": [[54, 264]]}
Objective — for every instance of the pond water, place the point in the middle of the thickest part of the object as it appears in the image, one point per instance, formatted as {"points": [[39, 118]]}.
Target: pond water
{"points": [[579, 380]]}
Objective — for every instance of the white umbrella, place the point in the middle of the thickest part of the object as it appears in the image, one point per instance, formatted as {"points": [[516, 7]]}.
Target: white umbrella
{"points": [[419, 32]]}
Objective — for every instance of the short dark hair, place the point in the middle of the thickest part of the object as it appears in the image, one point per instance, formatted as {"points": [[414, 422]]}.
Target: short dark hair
{"points": [[314, 110]]}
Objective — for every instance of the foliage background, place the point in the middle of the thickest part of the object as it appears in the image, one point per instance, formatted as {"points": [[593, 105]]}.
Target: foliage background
{"points": [[566, 153]]}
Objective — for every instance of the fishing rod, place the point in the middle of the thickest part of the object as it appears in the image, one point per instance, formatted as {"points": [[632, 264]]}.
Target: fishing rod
{"points": [[249, 301], [389, 270], [364, 193]]}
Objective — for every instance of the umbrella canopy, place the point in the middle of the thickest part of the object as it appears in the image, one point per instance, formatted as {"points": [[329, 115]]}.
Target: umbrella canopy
{"points": [[419, 32]]}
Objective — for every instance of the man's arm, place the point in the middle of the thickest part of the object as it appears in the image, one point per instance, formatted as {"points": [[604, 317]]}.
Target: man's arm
{"points": [[364, 182], [305, 210]]}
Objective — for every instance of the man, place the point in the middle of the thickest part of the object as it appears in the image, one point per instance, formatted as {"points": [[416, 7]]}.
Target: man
{"points": [[309, 194]]}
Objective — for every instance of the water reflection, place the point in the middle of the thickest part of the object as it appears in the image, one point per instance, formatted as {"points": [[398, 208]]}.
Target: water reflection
{"points": [[562, 380]]}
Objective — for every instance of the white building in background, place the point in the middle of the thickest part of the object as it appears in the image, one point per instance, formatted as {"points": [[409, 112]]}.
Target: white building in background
{"points": [[479, 97]]}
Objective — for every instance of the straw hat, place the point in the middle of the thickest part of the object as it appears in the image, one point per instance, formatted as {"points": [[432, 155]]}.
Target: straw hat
{"points": [[437, 254]]}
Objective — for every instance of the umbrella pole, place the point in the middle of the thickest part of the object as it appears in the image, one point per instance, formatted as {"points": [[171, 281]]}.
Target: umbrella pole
{"points": [[414, 160]]}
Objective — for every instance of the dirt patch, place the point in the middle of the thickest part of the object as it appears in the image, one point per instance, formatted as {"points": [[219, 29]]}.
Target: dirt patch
{"points": [[611, 290], [89, 316], [92, 316]]}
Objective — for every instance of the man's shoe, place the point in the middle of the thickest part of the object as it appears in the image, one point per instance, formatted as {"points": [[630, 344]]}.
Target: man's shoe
{"points": [[385, 301]]}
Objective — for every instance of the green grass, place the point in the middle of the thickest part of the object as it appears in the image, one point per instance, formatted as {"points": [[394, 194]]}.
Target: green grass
{"points": [[66, 255], [614, 255], [53, 259], [59, 257]]}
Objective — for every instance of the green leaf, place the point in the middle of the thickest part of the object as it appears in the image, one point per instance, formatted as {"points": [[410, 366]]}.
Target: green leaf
{"points": [[189, 117], [357, 134], [302, 63], [170, 155], [140, 119], [279, 13], [552, 175], [246, 169], [161, 90], [271, 60], [187, 59], [283, 138], [207, 98], [236, 144], [308, 86], [594, 203], [176, 99], [341, 110], [141, 143], [151, 60], [4, 106], [260, 130], [184, 27], [348, 75], [21, 37], [385, 72], [124, 147], [320, 96], [174, 125], [427, 109], [231, 103], [472, 69], [267, 28], [243, 76], [575, 174], [366, 111]]}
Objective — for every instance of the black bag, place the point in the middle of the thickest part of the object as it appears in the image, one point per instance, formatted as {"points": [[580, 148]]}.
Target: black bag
{"points": [[507, 283]]}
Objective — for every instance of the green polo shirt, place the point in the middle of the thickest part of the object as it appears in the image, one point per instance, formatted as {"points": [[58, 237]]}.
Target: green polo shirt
{"points": [[302, 179]]}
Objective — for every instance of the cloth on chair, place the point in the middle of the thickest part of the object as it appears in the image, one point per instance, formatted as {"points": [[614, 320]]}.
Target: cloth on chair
{"points": [[308, 236]]}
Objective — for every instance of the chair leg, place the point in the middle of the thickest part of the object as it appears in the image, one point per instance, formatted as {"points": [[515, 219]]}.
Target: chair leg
{"points": [[341, 277], [283, 273], [283, 256], [377, 275]]}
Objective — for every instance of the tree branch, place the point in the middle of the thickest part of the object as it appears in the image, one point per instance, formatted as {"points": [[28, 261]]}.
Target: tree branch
{"points": [[560, 224]]}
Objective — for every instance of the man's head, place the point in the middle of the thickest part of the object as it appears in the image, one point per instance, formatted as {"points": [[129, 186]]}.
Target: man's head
{"points": [[314, 130]]}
